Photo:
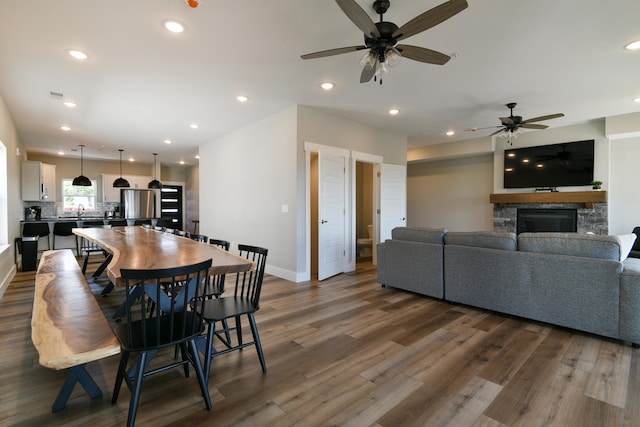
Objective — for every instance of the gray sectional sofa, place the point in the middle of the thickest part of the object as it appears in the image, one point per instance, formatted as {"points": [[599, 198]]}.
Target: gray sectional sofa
{"points": [[579, 281]]}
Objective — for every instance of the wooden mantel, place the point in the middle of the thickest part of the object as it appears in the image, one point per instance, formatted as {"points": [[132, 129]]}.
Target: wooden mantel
{"points": [[586, 197]]}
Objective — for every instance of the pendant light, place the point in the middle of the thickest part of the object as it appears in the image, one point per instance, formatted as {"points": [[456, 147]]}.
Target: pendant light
{"points": [[155, 183], [121, 182], [81, 180]]}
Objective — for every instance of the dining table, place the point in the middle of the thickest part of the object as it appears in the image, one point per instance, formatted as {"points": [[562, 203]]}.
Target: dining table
{"points": [[139, 248]]}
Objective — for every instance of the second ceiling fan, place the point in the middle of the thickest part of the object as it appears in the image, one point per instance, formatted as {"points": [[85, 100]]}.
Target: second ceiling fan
{"points": [[381, 37], [510, 127]]}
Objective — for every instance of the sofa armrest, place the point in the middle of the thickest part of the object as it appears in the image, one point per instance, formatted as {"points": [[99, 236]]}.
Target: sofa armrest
{"points": [[412, 266], [630, 301]]}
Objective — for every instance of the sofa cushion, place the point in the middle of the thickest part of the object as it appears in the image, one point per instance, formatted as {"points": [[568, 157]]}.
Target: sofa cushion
{"points": [[614, 248], [483, 239], [419, 234]]}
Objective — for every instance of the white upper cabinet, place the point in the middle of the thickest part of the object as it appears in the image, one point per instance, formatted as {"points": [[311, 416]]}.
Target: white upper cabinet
{"points": [[38, 181]]}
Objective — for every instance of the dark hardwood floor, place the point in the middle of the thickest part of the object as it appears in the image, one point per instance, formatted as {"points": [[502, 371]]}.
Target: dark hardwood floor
{"points": [[346, 351]]}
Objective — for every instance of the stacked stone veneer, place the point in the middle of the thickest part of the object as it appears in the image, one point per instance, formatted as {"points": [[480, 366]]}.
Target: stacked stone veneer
{"points": [[590, 220]]}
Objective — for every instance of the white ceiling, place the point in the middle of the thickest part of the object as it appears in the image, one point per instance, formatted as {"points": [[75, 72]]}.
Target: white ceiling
{"points": [[142, 84]]}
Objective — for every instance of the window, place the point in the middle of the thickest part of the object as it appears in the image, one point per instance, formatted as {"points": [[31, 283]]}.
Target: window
{"points": [[77, 197]]}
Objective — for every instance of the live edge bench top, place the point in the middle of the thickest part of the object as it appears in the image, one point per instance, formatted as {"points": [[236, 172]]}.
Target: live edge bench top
{"points": [[68, 328]]}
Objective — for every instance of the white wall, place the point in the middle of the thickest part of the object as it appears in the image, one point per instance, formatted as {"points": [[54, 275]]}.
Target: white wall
{"points": [[247, 176], [12, 209], [245, 179], [624, 188], [451, 193]]}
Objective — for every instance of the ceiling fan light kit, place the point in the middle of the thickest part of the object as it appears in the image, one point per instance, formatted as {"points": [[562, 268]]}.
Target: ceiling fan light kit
{"points": [[381, 37]]}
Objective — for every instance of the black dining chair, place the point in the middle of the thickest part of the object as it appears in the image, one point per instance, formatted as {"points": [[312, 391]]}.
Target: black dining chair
{"points": [[87, 247], [118, 222], [64, 228], [40, 229], [199, 237], [244, 301], [160, 318], [217, 281], [142, 222], [183, 233]]}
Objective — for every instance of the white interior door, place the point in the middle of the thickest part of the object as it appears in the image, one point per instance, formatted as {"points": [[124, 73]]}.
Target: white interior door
{"points": [[393, 199], [331, 214]]}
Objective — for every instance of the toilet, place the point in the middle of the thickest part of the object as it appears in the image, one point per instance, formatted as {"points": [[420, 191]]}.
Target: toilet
{"points": [[365, 245]]}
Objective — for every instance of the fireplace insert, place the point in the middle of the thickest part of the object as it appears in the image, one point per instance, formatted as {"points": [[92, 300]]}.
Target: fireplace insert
{"points": [[541, 220]]}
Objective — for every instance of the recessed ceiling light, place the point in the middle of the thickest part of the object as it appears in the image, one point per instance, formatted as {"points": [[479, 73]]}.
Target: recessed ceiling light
{"points": [[60, 153], [131, 159], [65, 128], [633, 45], [327, 85], [197, 156], [636, 99], [394, 111], [242, 98], [182, 162], [167, 141], [173, 26], [194, 126], [77, 54], [70, 104], [450, 133]]}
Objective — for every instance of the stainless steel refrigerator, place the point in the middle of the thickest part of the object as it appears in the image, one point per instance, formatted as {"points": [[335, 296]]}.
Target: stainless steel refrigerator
{"points": [[138, 203]]}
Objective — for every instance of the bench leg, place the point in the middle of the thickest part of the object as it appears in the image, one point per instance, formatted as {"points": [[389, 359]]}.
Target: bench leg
{"points": [[80, 375]]}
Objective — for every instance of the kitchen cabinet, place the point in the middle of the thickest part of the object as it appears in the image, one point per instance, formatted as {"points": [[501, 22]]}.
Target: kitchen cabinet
{"points": [[111, 194], [38, 181]]}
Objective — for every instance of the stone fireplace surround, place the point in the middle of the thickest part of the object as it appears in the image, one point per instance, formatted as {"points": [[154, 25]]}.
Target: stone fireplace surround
{"points": [[591, 206]]}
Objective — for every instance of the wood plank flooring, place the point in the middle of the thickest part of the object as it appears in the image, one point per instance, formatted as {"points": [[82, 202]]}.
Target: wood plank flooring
{"points": [[347, 352]]}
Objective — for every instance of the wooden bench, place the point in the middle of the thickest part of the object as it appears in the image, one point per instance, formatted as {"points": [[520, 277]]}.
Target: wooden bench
{"points": [[68, 328]]}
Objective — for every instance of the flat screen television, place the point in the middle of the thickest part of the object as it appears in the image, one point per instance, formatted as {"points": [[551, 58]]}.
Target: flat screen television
{"points": [[549, 166]]}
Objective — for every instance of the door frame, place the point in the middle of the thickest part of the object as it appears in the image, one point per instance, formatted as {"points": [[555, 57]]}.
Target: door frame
{"points": [[350, 193], [376, 161], [310, 147]]}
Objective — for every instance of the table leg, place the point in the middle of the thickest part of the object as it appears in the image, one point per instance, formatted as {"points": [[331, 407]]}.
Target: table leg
{"points": [[104, 265], [135, 293]]}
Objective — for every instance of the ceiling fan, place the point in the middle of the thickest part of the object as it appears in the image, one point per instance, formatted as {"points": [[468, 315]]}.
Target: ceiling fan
{"points": [[381, 38], [511, 125]]}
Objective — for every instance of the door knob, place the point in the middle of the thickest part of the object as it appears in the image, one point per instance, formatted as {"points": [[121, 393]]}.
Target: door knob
{"points": [[323, 221]]}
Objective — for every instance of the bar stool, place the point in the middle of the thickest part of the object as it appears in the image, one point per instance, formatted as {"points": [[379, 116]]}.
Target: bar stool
{"points": [[40, 229], [65, 228]]}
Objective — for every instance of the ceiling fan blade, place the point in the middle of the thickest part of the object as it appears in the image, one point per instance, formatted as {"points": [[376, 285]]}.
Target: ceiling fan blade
{"points": [[476, 129], [507, 121], [331, 52], [533, 126], [498, 131], [541, 118], [359, 17], [368, 72], [422, 54], [430, 18]]}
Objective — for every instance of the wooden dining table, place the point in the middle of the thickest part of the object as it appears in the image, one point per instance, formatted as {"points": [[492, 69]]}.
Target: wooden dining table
{"points": [[135, 247], [141, 248]]}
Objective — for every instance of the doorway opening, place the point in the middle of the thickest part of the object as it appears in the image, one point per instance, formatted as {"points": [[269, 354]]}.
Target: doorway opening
{"points": [[365, 206]]}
